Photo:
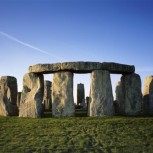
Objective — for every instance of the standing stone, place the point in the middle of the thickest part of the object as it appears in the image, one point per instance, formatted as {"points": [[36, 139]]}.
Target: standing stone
{"points": [[18, 99], [8, 96], [89, 102], [62, 95], [101, 94], [32, 95], [83, 104], [148, 96], [119, 102], [88, 105], [88, 99], [47, 95], [80, 93], [131, 90]]}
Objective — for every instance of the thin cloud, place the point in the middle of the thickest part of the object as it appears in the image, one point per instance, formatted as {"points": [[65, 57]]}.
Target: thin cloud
{"points": [[30, 46]]}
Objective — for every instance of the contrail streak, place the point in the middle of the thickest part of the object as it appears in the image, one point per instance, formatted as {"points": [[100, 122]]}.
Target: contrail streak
{"points": [[30, 46]]}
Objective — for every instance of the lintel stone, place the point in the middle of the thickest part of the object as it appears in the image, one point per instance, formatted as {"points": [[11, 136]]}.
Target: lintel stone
{"points": [[45, 68], [82, 67]]}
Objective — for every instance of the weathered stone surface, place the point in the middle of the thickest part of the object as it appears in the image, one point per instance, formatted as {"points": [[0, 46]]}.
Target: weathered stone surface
{"points": [[82, 67], [8, 96], [45, 68], [117, 68], [32, 96], [80, 93], [18, 99], [119, 99], [148, 96], [62, 95], [131, 90], [47, 95], [101, 94]]}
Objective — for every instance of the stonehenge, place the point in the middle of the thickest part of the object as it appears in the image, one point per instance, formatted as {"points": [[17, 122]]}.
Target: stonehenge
{"points": [[47, 100], [82, 67], [148, 96], [18, 99], [62, 95], [132, 95], [129, 95], [119, 100], [101, 94], [32, 96], [8, 96], [80, 93], [88, 101], [37, 93]]}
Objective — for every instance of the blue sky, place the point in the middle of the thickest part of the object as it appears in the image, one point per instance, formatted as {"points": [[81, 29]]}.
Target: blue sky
{"points": [[50, 31]]}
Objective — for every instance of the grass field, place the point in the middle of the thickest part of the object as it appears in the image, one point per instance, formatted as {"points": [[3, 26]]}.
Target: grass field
{"points": [[78, 134]]}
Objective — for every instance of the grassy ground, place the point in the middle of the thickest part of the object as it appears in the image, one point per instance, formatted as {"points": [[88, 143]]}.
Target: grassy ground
{"points": [[79, 134]]}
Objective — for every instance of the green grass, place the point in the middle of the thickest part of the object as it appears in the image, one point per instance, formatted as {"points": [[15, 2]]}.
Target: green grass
{"points": [[78, 134]]}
